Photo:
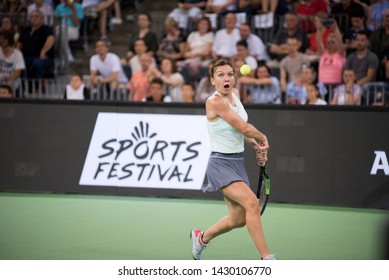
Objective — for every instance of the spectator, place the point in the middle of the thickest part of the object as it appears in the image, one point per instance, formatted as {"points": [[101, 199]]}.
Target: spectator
{"points": [[264, 88], [134, 64], [297, 90], [224, 45], [198, 51], [173, 43], [220, 7], [76, 89], [256, 47], [8, 25], [187, 92], [292, 64], [278, 48], [349, 93], [105, 67], [364, 62], [172, 80], [157, 93], [325, 30], [139, 86], [5, 91], [46, 9], [11, 61], [313, 96], [379, 43], [377, 13], [37, 45], [332, 57], [343, 12], [16, 9], [98, 9], [187, 11], [243, 55], [143, 31], [204, 90], [307, 10], [70, 15], [357, 25], [266, 6]]}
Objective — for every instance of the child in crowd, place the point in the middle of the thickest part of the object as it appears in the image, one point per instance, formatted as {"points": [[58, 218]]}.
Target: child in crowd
{"points": [[76, 89]]}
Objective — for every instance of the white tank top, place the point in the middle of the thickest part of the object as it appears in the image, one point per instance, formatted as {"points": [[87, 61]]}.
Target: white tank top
{"points": [[223, 137]]}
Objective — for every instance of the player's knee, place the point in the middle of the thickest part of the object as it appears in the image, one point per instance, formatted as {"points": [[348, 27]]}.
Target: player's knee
{"points": [[239, 221], [252, 206]]}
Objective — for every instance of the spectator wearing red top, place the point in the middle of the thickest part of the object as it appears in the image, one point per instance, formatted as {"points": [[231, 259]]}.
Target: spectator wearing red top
{"points": [[325, 31], [307, 9]]}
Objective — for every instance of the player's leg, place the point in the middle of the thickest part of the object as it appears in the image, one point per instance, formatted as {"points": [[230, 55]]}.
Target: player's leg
{"points": [[236, 218], [243, 195]]}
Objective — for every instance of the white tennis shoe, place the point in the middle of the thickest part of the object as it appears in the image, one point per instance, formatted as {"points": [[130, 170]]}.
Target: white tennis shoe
{"points": [[198, 245]]}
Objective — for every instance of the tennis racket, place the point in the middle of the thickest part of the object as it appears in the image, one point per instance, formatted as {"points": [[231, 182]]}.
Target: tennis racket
{"points": [[263, 190]]}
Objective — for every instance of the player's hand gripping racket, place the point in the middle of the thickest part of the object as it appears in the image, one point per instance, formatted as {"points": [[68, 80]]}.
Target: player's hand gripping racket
{"points": [[263, 190]]}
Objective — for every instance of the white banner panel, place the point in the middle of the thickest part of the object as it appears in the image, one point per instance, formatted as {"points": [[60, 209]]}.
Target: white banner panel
{"points": [[147, 150]]}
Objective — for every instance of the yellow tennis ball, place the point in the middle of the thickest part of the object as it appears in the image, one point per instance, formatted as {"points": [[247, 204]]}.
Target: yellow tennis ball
{"points": [[245, 69]]}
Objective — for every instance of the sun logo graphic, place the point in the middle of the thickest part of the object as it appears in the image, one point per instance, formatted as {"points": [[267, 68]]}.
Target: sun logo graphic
{"points": [[147, 150]]}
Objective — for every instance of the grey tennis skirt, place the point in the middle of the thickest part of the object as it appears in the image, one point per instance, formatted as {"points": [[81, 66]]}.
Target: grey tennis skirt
{"points": [[223, 169]]}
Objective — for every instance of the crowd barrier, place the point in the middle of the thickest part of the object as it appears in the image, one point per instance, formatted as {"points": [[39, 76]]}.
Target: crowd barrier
{"points": [[332, 155]]}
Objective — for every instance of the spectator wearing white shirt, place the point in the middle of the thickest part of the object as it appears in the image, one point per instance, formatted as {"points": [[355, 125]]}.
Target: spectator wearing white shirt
{"points": [[243, 55], [105, 67], [224, 45], [256, 46]]}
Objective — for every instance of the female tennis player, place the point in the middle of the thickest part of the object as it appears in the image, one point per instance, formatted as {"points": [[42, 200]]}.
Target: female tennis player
{"points": [[228, 128]]}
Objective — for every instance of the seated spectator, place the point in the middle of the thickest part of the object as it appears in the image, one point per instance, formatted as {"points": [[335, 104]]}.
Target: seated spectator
{"points": [[349, 93], [37, 45], [332, 57], [292, 65], [376, 14], [11, 61], [76, 89], [313, 96], [198, 51], [220, 7], [243, 55], [256, 47], [5, 91], [379, 43], [364, 62], [105, 67], [224, 44], [187, 11], [139, 84], [204, 90], [157, 93], [172, 80], [98, 9], [134, 64], [278, 47], [173, 43], [16, 9], [8, 25], [357, 25], [343, 11], [143, 31], [297, 90], [187, 92], [307, 10], [69, 14], [46, 9], [266, 6], [264, 88]]}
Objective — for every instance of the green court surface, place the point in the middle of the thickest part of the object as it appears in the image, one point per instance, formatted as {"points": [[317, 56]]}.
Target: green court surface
{"points": [[79, 227]]}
